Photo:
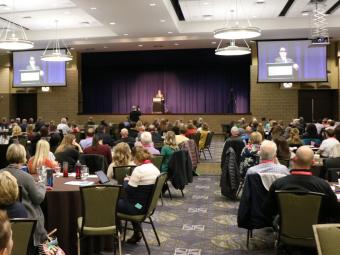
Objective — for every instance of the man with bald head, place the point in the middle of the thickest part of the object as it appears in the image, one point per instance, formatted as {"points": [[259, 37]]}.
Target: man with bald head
{"points": [[301, 179], [268, 161], [125, 138]]}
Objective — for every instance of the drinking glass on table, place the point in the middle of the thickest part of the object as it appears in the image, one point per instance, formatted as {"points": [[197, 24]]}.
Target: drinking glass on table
{"points": [[84, 172], [57, 169], [42, 174]]}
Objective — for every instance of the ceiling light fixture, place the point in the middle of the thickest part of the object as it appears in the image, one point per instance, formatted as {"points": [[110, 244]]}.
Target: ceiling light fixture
{"points": [[13, 36], [56, 55], [112, 23], [169, 32], [93, 8], [163, 20], [235, 31], [152, 4], [232, 49]]}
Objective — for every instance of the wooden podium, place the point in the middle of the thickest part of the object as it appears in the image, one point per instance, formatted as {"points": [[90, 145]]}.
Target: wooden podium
{"points": [[157, 105]]}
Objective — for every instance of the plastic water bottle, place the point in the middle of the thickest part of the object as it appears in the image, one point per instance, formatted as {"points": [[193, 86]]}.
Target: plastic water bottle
{"points": [[78, 170]]}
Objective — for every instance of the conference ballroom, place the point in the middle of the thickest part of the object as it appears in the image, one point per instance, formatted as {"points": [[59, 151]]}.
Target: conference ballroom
{"points": [[180, 127]]}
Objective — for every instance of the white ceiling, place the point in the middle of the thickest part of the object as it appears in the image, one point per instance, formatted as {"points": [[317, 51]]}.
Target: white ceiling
{"points": [[139, 25]]}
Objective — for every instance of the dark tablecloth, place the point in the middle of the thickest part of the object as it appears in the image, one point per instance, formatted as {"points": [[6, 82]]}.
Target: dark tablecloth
{"points": [[62, 207]]}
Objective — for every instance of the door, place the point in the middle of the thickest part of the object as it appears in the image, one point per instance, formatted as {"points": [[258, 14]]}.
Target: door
{"points": [[318, 104], [26, 105]]}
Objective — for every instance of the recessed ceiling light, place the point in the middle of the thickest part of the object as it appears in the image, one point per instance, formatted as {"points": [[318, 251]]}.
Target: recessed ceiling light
{"points": [[169, 32], [152, 4], [260, 1], [105, 47], [205, 3], [125, 34], [93, 8], [213, 42], [112, 23], [163, 20], [305, 13], [71, 48], [176, 44], [140, 45], [207, 17]]}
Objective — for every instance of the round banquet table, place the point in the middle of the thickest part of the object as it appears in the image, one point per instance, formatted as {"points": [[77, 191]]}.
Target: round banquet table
{"points": [[62, 207]]}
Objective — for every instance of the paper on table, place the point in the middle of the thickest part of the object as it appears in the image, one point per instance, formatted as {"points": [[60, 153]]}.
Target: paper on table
{"points": [[79, 183], [338, 196], [92, 176], [72, 174]]}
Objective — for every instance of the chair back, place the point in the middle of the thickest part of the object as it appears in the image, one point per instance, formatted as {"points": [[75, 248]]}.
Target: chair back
{"points": [[298, 212], [327, 238], [161, 179], [196, 137], [120, 172], [94, 162], [22, 234], [209, 140], [98, 213], [157, 160], [333, 174]]}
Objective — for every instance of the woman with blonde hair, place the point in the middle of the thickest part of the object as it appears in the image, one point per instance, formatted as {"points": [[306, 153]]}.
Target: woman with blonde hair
{"points": [[41, 158], [250, 153], [6, 241], [294, 138], [121, 157], [68, 151], [9, 193], [170, 146]]}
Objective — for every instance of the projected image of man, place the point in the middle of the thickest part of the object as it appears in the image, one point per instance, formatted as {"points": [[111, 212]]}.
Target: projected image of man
{"points": [[283, 58], [33, 66]]}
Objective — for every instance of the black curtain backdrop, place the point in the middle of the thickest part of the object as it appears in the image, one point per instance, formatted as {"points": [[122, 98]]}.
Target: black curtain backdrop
{"points": [[193, 81]]}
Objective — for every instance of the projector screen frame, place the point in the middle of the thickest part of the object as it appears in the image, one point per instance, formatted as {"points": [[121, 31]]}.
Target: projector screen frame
{"points": [[30, 86], [281, 81]]}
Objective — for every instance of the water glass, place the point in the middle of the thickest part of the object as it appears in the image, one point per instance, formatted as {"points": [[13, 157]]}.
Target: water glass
{"points": [[84, 172], [42, 174], [57, 170]]}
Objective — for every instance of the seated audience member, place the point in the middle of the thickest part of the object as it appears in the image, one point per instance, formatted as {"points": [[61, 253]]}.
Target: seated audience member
{"points": [[133, 130], [4, 123], [33, 193], [17, 135], [9, 193], [168, 149], [245, 136], [260, 129], [65, 129], [283, 153], [277, 131], [146, 142], [125, 138], [235, 141], [268, 161], [180, 136], [41, 158], [87, 142], [138, 188], [23, 125], [191, 130], [250, 153], [74, 128], [55, 137], [104, 132], [301, 179], [319, 126], [156, 137], [328, 144], [68, 151], [121, 157], [6, 241], [99, 148], [311, 137], [294, 138], [163, 126], [30, 132], [90, 122], [331, 124], [204, 131]]}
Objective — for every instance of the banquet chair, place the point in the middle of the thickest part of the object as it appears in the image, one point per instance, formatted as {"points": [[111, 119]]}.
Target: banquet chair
{"points": [[22, 234], [94, 162], [151, 207], [99, 215], [327, 238], [207, 145], [120, 172], [295, 225], [157, 160]]}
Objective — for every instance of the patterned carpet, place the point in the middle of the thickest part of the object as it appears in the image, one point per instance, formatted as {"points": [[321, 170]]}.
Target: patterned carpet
{"points": [[201, 222]]}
